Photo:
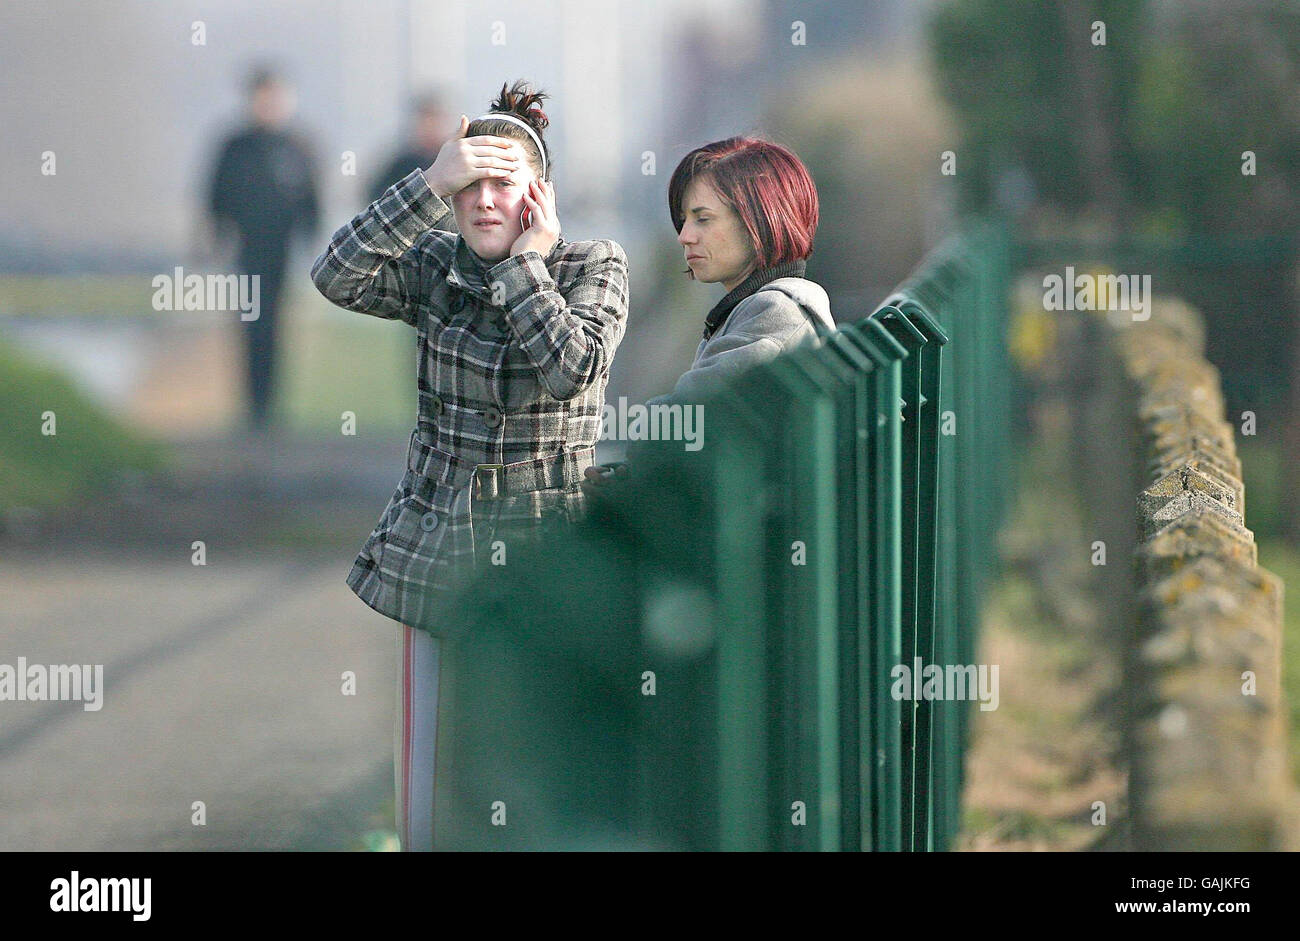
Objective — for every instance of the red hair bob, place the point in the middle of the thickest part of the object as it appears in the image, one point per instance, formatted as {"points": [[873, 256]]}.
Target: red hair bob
{"points": [[765, 183]]}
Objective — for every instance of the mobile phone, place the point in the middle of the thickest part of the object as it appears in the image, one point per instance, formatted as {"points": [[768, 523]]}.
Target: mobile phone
{"points": [[526, 218]]}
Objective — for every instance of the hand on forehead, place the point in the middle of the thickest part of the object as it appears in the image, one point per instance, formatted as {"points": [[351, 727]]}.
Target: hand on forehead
{"points": [[504, 143]]}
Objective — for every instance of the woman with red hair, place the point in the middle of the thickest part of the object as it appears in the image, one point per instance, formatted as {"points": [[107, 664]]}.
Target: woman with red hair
{"points": [[745, 211]]}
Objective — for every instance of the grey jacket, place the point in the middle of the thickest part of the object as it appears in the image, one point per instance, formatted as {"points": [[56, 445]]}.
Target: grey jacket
{"points": [[778, 316]]}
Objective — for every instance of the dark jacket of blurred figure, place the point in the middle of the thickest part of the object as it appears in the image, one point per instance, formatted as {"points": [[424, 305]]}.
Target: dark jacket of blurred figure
{"points": [[264, 187], [429, 129]]}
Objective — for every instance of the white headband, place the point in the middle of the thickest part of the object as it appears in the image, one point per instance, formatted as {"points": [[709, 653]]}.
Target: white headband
{"points": [[502, 116]]}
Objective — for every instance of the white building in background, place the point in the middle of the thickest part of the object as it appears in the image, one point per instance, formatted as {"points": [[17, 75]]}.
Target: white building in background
{"points": [[133, 108]]}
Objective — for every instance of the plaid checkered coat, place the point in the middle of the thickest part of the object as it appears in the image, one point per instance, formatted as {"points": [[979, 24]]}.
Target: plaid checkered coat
{"points": [[512, 362]]}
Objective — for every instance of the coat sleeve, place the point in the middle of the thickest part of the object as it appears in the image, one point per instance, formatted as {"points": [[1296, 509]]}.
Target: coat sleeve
{"points": [[369, 265], [568, 338]]}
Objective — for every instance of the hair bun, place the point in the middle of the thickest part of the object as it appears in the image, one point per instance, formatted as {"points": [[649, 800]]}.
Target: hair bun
{"points": [[522, 101]]}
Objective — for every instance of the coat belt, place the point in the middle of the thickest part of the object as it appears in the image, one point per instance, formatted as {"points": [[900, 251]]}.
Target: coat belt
{"points": [[493, 480]]}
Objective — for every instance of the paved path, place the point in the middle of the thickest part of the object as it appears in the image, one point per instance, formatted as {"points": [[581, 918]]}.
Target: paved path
{"points": [[222, 682]]}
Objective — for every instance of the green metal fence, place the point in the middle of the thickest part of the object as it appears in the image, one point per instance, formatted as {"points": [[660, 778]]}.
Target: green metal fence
{"points": [[710, 660]]}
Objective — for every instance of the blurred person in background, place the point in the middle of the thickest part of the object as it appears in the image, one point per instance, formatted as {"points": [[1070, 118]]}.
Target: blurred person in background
{"points": [[262, 191], [746, 212], [429, 122]]}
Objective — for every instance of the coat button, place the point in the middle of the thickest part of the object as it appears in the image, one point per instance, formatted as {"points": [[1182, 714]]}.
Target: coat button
{"points": [[429, 521], [436, 404], [492, 416]]}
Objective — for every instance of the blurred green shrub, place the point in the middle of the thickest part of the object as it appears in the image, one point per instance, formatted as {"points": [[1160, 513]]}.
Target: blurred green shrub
{"points": [[89, 453]]}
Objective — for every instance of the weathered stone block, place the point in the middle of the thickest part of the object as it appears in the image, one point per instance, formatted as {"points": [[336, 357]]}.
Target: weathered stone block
{"points": [[1154, 516], [1183, 424], [1202, 456], [1205, 399], [1189, 537], [1213, 483], [1207, 771]]}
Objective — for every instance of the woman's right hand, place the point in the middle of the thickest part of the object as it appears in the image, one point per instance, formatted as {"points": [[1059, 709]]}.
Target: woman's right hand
{"points": [[462, 160]]}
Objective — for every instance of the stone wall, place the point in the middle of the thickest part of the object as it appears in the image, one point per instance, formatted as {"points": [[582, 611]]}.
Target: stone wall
{"points": [[1196, 621]]}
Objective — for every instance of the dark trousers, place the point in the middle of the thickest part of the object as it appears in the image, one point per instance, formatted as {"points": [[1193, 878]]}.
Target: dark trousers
{"points": [[260, 336]]}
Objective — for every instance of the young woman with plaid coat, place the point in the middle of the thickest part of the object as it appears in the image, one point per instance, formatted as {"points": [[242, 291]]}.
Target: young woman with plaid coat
{"points": [[515, 332]]}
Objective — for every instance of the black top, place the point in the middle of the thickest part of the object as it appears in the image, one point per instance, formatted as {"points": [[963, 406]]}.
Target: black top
{"points": [[265, 183], [756, 279]]}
